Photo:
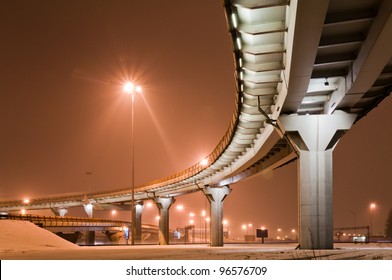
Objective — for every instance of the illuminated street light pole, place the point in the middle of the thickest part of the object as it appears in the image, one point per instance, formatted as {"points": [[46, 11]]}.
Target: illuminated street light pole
{"points": [[372, 207], [131, 89], [89, 173], [225, 226], [204, 225], [179, 208], [245, 228]]}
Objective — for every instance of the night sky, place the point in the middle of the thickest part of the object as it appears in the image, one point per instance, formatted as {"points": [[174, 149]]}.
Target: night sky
{"points": [[63, 112]]}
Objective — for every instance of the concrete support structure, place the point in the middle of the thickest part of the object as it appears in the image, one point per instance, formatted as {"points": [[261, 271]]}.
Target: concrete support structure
{"points": [[163, 204], [89, 209], [137, 220], [90, 237], [216, 196], [59, 211], [315, 137]]}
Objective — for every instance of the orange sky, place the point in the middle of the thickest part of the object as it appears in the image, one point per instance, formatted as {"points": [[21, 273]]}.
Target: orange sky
{"points": [[63, 113]]}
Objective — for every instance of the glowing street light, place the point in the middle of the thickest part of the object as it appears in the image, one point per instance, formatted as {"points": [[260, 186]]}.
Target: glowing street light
{"points": [[245, 228], [179, 209], [132, 89], [372, 207], [204, 162], [149, 204], [204, 224], [251, 227]]}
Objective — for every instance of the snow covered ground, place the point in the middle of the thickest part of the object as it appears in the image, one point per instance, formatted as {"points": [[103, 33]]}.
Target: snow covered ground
{"points": [[21, 240]]}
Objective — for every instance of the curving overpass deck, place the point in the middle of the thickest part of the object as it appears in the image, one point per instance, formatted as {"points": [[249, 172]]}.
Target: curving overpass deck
{"points": [[305, 71]]}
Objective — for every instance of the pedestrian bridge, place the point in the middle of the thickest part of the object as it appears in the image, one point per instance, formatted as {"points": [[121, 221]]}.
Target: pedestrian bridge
{"points": [[305, 72]]}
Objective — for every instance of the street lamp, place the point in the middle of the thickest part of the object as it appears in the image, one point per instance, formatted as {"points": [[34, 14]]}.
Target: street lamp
{"points": [[245, 228], [372, 207], [88, 173], [179, 208], [132, 89], [251, 228], [225, 225]]}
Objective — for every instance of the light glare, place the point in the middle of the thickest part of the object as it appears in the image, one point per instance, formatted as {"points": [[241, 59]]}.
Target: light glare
{"points": [[234, 19], [204, 162], [128, 87], [239, 43]]}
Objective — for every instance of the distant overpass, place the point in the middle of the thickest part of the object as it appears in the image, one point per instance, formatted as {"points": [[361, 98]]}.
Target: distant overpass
{"points": [[64, 225], [305, 71]]}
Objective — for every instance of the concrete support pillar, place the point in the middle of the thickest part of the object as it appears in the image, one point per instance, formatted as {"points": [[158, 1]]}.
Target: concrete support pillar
{"points": [[137, 220], [315, 137], [216, 196], [90, 237], [60, 211], [89, 209], [163, 204]]}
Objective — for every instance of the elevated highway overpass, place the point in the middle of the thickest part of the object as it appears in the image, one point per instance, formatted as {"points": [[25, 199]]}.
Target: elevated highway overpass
{"points": [[305, 72], [71, 228]]}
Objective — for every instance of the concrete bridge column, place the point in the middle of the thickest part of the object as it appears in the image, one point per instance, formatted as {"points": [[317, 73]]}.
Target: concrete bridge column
{"points": [[137, 220], [216, 196], [163, 204], [89, 209], [60, 211], [90, 235], [315, 137]]}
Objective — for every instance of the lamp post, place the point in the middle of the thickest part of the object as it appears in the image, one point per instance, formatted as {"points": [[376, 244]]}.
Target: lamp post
{"points": [[251, 229], [203, 224], [88, 173], [245, 228], [225, 225], [372, 207], [355, 222], [132, 89], [179, 208]]}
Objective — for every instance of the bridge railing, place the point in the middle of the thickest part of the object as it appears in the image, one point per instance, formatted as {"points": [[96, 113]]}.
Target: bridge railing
{"points": [[56, 221]]}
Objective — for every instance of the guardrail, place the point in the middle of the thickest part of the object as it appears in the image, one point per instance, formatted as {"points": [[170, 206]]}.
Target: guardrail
{"points": [[56, 221]]}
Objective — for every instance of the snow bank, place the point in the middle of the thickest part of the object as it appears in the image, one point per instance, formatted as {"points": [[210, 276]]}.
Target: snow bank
{"points": [[22, 240], [24, 235]]}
